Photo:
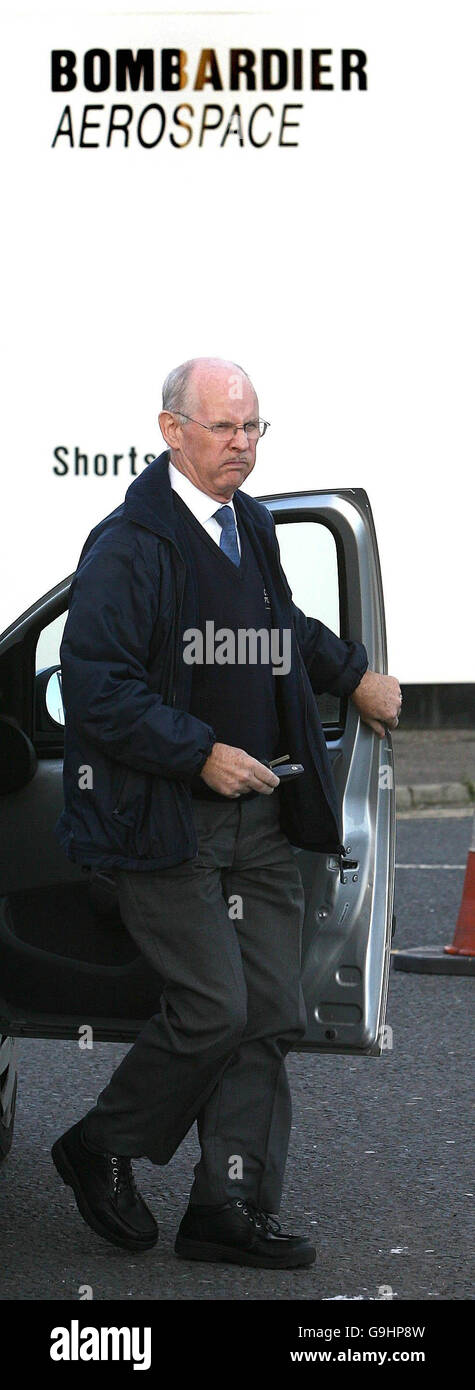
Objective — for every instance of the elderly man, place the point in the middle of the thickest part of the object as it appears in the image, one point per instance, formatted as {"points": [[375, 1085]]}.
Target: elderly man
{"points": [[187, 813]]}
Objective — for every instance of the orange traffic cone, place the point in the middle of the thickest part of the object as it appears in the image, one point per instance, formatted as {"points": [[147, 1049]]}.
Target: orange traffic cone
{"points": [[464, 940], [459, 958]]}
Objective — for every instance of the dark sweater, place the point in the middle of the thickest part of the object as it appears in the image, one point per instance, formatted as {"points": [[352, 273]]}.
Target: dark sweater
{"points": [[237, 697]]}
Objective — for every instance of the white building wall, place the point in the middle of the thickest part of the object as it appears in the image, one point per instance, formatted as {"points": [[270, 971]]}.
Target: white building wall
{"points": [[338, 272]]}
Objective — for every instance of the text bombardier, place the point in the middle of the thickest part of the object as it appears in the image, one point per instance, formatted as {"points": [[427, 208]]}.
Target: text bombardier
{"points": [[173, 69]]}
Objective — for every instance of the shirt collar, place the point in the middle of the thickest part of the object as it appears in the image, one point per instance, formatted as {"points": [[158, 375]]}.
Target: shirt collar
{"points": [[200, 503]]}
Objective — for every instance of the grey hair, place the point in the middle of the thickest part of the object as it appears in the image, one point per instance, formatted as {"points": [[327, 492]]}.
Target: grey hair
{"points": [[175, 387], [175, 390]]}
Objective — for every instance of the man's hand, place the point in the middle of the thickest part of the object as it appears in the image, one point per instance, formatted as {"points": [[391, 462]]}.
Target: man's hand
{"points": [[378, 700], [233, 772]]}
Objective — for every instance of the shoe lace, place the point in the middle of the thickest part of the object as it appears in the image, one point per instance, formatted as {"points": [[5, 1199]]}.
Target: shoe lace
{"points": [[122, 1175], [259, 1218]]}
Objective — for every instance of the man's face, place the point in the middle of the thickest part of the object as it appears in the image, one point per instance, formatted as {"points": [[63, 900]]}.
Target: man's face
{"points": [[216, 465]]}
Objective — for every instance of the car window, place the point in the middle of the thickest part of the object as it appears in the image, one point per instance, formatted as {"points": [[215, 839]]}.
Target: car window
{"points": [[310, 561], [49, 642]]}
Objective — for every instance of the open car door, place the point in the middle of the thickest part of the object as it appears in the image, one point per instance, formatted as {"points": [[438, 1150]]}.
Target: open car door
{"points": [[66, 960], [329, 554]]}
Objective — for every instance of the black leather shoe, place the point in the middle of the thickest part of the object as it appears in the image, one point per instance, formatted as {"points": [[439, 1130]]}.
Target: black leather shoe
{"points": [[105, 1192], [240, 1233]]}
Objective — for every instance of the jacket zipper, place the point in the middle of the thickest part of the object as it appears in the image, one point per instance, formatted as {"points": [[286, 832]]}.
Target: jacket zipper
{"points": [[120, 798], [175, 664]]}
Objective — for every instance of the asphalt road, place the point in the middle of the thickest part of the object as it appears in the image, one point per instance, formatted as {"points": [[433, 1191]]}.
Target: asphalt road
{"points": [[378, 1169]]}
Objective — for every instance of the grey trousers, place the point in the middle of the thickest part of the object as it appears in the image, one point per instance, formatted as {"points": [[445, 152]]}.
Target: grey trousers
{"points": [[224, 933]]}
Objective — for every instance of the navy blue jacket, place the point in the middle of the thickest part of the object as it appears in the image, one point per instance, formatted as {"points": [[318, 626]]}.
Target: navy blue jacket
{"points": [[131, 745]]}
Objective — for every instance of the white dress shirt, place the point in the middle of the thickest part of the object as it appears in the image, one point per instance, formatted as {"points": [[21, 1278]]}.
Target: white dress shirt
{"points": [[200, 503]]}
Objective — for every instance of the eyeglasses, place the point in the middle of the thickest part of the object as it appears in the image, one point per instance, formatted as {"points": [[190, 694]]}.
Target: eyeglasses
{"points": [[224, 429]]}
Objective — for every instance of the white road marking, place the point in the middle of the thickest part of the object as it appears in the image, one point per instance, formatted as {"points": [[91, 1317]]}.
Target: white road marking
{"points": [[435, 813], [430, 866]]}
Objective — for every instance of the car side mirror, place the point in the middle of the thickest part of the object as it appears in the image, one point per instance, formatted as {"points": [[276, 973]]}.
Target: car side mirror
{"points": [[49, 699]]}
